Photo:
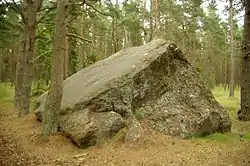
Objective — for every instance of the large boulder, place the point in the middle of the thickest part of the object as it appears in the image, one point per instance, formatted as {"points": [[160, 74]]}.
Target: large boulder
{"points": [[154, 81]]}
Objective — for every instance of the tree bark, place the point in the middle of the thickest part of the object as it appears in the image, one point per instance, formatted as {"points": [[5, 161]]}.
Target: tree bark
{"points": [[66, 60], [53, 102], [244, 112], [114, 34], [155, 19], [25, 67], [225, 64], [155, 13], [231, 88], [82, 48]]}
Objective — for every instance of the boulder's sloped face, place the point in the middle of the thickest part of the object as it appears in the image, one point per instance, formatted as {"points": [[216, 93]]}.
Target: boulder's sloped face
{"points": [[154, 80], [185, 107]]}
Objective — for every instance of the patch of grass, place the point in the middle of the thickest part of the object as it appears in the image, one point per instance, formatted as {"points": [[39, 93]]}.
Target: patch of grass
{"points": [[223, 97], [3, 92], [6, 93], [222, 137], [232, 104], [227, 138], [139, 114], [247, 136]]}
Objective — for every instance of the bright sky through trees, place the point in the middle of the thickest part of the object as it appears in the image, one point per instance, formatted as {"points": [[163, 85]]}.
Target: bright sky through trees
{"points": [[221, 5]]}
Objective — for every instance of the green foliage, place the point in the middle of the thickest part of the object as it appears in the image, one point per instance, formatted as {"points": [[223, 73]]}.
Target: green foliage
{"points": [[131, 21], [9, 26]]}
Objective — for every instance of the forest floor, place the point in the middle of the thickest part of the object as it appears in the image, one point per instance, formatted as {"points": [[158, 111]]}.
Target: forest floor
{"points": [[21, 144]]}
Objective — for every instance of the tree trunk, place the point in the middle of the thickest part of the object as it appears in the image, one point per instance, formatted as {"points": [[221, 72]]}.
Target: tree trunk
{"points": [[66, 60], [53, 102], [244, 113], [25, 67], [114, 34], [105, 46], [225, 64], [82, 48], [155, 13], [1, 65], [231, 89], [13, 66], [155, 19]]}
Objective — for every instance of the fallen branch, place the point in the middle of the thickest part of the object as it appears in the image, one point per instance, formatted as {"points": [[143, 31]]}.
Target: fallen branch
{"points": [[80, 155]]}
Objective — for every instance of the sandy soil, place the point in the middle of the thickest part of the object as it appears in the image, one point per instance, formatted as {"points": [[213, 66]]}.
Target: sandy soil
{"points": [[21, 144]]}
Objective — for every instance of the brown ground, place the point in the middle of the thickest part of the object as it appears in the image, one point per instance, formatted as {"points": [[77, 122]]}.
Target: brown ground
{"points": [[20, 144]]}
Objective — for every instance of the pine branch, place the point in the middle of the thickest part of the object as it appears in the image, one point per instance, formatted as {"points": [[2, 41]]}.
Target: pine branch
{"points": [[72, 19], [47, 12], [44, 30], [98, 11], [79, 37], [44, 38], [15, 7], [39, 56]]}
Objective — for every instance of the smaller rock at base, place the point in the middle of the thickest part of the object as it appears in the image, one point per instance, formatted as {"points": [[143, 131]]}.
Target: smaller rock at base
{"points": [[134, 132]]}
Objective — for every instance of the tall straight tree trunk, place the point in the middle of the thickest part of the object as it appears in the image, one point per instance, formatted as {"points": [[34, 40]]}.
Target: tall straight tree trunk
{"points": [[66, 60], [244, 113], [156, 16], [115, 29], [114, 34], [25, 66], [13, 66], [155, 19], [105, 46], [225, 64], [1, 65], [54, 98], [183, 26], [66, 56], [231, 88], [82, 48]]}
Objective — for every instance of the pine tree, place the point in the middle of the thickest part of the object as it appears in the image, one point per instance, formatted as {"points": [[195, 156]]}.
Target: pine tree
{"points": [[54, 98], [25, 66], [232, 68], [244, 112]]}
